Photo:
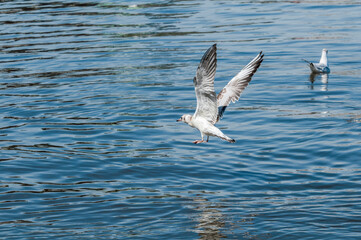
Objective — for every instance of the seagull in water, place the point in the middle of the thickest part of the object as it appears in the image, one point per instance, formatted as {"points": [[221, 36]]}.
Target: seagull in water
{"points": [[210, 108], [322, 66]]}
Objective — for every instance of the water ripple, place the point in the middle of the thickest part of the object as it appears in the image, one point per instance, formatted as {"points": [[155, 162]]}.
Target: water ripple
{"points": [[89, 95]]}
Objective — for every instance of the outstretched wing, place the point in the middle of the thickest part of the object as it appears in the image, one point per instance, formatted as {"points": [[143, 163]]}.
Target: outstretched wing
{"points": [[204, 86], [232, 91]]}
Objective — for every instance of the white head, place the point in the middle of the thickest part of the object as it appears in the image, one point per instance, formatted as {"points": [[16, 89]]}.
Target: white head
{"points": [[185, 118]]}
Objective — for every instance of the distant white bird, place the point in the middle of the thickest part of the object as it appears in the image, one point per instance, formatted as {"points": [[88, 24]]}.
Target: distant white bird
{"points": [[210, 108], [322, 66]]}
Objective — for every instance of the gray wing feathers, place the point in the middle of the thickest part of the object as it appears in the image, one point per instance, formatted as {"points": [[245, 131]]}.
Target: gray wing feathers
{"points": [[317, 67], [320, 67], [232, 91], [204, 86]]}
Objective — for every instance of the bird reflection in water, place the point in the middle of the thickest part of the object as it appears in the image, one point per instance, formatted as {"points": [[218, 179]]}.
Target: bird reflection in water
{"points": [[323, 77], [214, 224], [210, 220]]}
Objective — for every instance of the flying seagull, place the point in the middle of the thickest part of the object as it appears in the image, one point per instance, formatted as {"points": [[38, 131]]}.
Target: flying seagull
{"points": [[322, 66], [210, 108]]}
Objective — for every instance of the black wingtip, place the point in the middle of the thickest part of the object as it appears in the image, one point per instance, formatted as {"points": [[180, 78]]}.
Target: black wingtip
{"points": [[260, 60], [210, 51], [209, 59], [261, 54], [214, 47]]}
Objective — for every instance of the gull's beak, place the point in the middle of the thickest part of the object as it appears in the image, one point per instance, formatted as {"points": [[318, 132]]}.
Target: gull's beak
{"points": [[179, 120]]}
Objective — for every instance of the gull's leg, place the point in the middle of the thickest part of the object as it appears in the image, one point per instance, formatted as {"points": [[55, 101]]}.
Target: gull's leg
{"points": [[207, 138], [200, 141]]}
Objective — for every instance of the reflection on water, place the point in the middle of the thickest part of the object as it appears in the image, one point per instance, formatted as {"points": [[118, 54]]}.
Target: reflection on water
{"points": [[323, 77], [210, 220]]}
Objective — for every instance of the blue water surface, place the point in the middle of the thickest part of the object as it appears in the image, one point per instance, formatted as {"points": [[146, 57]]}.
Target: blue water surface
{"points": [[90, 148]]}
